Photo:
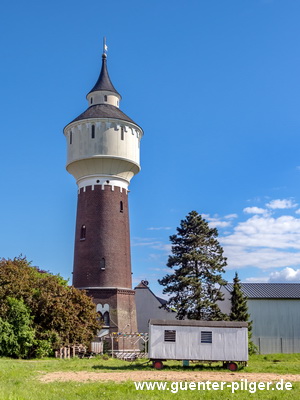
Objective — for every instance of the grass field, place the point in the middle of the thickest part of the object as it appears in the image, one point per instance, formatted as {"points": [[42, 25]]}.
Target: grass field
{"points": [[20, 379]]}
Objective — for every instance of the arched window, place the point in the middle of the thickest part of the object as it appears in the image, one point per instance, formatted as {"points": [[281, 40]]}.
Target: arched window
{"points": [[121, 206], [100, 316], [93, 131], [105, 97], [83, 232], [106, 318]]}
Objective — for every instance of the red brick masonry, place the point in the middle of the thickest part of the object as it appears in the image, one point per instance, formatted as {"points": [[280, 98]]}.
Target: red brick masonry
{"points": [[103, 257]]}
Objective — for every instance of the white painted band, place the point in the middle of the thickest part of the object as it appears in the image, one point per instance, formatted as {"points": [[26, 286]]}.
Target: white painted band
{"points": [[102, 181]]}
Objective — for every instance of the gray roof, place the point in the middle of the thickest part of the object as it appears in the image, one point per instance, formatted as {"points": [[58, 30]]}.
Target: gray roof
{"points": [[206, 324], [144, 285], [103, 111], [104, 82], [269, 290]]}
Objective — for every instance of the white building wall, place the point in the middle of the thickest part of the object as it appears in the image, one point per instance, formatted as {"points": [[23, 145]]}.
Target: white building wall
{"points": [[228, 344], [148, 307], [276, 323]]}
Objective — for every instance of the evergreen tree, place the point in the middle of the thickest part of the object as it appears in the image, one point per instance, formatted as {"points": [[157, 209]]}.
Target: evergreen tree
{"points": [[239, 310], [197, 262]]}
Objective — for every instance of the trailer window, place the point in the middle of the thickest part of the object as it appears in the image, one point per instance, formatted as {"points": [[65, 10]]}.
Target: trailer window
{"points": [[206, 337], [170, 336]]}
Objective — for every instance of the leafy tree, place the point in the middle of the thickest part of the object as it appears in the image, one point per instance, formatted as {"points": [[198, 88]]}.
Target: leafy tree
{"points": [[17, 335], [61, 315], [239, 310], [197, 262]]}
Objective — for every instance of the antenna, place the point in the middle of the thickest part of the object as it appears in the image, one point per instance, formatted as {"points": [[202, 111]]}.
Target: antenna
{"points": [[105, 48]]}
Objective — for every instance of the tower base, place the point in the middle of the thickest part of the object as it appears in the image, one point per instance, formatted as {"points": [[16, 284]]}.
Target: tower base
{"points": [[116, 306]]}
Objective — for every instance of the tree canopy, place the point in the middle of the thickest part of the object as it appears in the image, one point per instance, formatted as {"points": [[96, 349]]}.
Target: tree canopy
{"points": [[56, 313], [197, 262]]}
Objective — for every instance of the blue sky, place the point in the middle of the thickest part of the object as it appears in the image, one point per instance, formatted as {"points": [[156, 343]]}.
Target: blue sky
{"points": [[215, 86]]}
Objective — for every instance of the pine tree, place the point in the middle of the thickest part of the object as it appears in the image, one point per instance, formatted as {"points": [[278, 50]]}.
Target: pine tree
{"points": [[239, 307], [197, 262], [239, 310]]}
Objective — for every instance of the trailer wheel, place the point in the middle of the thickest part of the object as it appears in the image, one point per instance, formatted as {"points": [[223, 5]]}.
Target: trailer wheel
{"points": [[158, 364], [232, 366]]}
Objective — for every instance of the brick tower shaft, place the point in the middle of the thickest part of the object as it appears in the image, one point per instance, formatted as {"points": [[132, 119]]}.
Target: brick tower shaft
{"points": [[102, 243]]}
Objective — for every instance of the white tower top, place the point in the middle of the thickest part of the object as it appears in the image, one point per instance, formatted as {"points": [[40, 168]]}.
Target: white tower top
{"points": [[103, 142]]}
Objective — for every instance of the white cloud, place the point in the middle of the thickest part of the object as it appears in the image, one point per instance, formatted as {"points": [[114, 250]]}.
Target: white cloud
{"points": [[160, 228], [297, 211], [281, 204], [216, 222], [266, 231], [264, 242], [285, 275], [243, 257], [254, 210], [231, 216], [263, 279]]}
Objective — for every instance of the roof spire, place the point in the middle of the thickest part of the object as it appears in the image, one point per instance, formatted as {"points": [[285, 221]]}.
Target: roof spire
{"points": [[104, 82]]}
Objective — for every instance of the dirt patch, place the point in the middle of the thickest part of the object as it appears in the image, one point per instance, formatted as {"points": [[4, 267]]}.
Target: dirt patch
{"points": [[138, 376]]}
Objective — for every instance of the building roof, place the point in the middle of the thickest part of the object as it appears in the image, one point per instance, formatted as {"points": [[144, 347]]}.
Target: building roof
{"points": [[104, 82], [103, 111], [144, 285], [269, 290], [207, 324]]}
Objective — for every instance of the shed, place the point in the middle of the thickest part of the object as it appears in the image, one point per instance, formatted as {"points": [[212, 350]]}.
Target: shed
{"points": [[198, 340], [274, 309]]}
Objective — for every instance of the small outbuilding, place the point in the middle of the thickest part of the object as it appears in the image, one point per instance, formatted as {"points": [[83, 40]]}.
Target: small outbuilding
{"points": [[274, 310], [206, 341]]}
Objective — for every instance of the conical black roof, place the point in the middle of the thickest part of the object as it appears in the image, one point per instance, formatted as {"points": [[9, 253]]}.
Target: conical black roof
{"points": [[104, 82]]}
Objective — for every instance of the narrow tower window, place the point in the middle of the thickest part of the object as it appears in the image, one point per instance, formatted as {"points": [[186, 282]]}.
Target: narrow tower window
{"points": [[83, 232], [121, 206], [122, 132], [91, 100], [71, 137], [105, 97], [100, 316], [106, 318], [93, 131], [102, 264]]}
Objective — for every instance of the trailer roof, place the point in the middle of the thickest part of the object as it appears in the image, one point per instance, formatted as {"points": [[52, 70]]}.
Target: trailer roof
{"points": [[208, 324]]}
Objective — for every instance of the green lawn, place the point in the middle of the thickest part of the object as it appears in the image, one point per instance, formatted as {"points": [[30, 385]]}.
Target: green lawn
{"points": [[19, 380]]}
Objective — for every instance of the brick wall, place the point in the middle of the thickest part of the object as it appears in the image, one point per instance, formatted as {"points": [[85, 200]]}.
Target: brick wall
{"points": [[102, 258]]}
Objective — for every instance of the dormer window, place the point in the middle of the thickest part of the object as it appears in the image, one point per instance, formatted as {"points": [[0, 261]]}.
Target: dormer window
{"points": [[93, 131], [105, 97]]}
